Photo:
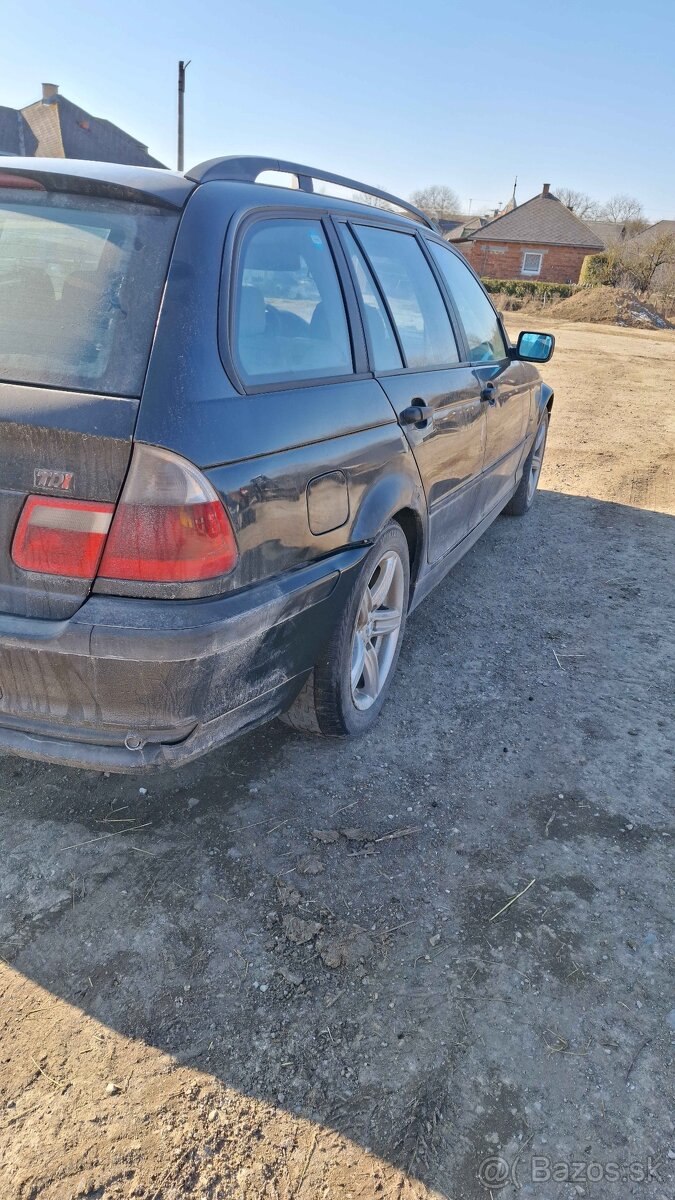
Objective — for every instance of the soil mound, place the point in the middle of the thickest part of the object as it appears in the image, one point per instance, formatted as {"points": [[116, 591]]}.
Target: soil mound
{"points": [[608, 306]]}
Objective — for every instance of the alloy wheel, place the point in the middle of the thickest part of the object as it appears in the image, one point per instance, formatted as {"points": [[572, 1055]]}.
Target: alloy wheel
{"points": [[537, 461], [376, 630]]}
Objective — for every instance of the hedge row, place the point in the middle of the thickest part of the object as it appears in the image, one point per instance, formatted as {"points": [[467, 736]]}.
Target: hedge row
{"points": [[521, 288]]}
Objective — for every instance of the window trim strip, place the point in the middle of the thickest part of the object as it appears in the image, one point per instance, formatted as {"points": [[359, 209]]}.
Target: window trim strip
{"points": [[344, 223]]}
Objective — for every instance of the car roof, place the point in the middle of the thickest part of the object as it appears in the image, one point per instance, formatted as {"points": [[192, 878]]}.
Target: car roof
{"points": [[276, 197], [248, 168], [171, 189]]}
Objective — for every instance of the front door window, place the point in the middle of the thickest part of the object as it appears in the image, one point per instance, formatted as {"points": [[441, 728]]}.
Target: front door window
{"points": [[480, 321]]}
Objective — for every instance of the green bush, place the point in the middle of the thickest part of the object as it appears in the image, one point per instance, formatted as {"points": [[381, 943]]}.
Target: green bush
{"points": [[598, 269], [522, 288]]}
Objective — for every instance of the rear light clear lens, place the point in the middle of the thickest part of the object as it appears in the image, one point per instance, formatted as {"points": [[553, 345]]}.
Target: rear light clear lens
{"points": [[61, 537], [169, 525]]}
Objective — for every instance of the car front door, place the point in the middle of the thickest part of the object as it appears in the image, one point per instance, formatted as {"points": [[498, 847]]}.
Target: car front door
{"points": [[505, 386], [418, 359]]}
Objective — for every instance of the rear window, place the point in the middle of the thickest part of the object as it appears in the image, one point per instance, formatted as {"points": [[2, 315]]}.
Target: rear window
{"points": [[80, 286], [290, 322]]}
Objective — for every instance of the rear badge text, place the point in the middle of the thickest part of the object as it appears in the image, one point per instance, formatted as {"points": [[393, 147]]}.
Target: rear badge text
{"points": [[55, 481]]}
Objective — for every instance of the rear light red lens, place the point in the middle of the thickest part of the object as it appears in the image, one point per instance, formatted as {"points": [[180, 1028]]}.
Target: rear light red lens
{"points": [[169, 525], [8, 180], [153, 543], [61, 537]]}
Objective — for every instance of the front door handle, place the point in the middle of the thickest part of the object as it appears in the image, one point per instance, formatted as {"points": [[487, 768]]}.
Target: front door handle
{"points": [[489, 394], [417, 414]]}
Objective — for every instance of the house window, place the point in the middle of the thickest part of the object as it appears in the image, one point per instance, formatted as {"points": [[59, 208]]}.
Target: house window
{"points": [[531, 263]]}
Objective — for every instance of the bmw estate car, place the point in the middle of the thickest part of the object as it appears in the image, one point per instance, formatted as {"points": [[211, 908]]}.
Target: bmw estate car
{"points": [[244, 430]]}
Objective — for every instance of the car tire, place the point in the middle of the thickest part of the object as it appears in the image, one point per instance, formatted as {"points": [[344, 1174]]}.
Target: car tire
{"points": [[523, 497], [345, 692]]}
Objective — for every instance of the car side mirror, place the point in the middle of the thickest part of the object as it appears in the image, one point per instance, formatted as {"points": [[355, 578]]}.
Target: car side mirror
{"points": [[535, 347]]}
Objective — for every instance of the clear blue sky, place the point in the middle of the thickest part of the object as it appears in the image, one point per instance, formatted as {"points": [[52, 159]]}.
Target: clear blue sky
{"points": [[576, 92]]}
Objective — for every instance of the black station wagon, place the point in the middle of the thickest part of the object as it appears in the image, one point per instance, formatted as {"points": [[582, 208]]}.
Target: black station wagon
{"points": [[244, 430]]}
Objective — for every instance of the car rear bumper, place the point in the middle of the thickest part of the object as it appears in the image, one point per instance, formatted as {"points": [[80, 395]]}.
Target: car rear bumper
{"points": [[137, 685]]}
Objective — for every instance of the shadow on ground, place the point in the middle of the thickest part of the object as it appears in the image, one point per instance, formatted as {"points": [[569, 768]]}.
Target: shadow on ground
{"points": [[282, 961]]}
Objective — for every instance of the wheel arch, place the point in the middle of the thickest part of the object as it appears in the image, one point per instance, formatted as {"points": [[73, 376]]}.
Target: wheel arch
{"points": [[547, 397], [395, 497], [411, 524]]}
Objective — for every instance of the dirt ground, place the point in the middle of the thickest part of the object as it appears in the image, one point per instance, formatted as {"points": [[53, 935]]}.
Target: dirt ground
{"points": [[283, 974], [609, 305]]}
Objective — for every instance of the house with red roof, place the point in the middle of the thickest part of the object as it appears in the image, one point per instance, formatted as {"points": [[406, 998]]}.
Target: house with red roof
{"points": [[540, 239]]}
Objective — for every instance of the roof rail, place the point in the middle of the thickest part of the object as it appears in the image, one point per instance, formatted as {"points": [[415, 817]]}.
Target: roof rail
{"points": [[247, 168]]}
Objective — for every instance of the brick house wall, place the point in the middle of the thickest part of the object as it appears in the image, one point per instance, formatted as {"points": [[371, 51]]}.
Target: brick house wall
{"points": [[495, 260]]}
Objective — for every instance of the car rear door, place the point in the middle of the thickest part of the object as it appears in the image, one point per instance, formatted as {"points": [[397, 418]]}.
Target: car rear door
{"points": [[81, 278], [505, 386], [418, 358]]}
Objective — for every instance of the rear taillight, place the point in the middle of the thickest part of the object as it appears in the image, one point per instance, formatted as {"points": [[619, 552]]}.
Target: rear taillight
{"points": [[8, 180], [61, 537], [169, 524]]}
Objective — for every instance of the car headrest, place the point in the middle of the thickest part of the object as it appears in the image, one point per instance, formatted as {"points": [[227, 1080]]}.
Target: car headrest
{"points": [[319, 325], [80, 286], [252, 317], [31, 287]]}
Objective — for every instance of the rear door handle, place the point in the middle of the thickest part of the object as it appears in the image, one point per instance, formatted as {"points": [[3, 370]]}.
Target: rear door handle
{"points": [[489, 394], [417, 414]]}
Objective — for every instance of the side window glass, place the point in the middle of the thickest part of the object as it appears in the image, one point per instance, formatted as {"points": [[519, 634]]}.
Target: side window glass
{"points": [[413, 296], [385, 352], [289, 315], [478, 317]]}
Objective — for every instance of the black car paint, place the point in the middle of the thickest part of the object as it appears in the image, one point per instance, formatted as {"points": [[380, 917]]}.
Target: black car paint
{"points": [[91, 437], [140, 684], [139, 676]]}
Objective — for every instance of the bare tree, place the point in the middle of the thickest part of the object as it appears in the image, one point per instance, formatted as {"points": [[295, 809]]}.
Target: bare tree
{"points": [[581, 204], [626, 211], [640, 260], [438, 200], [373, 201]]}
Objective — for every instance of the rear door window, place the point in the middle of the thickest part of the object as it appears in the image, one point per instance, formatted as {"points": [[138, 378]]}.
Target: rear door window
{"points": [[289, 315], [80, 286], [384, 351], [413, 296], [481, 325]]}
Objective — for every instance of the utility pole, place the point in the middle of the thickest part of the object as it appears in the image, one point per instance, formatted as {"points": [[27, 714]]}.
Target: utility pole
{"points": [[182, 68]]}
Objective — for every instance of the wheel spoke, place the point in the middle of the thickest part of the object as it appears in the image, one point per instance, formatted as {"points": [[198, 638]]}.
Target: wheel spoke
{"points": [[371, 672], [537, 462], [385, 620], [358, 656], [379, 593], [377, 629]]}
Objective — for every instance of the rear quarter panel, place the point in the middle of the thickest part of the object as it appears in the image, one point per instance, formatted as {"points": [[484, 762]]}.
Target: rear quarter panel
{"points": [[260, 451], [267, 498]]}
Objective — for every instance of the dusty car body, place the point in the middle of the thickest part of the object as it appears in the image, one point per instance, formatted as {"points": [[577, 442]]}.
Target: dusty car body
{"points": [[216, 396]]}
